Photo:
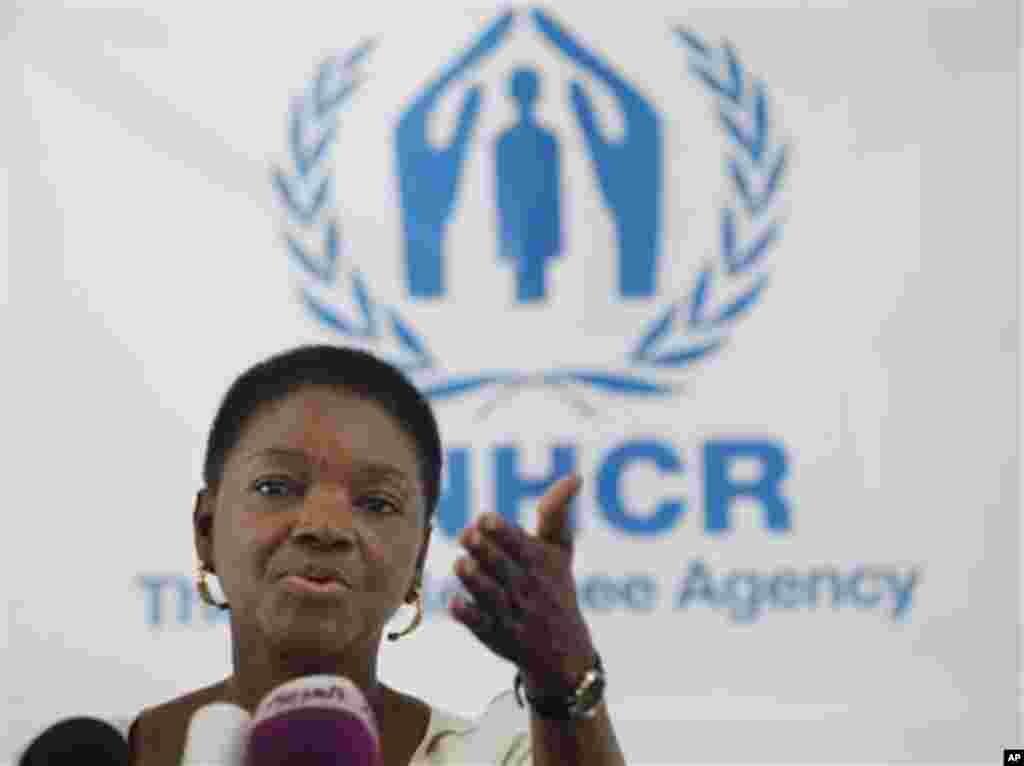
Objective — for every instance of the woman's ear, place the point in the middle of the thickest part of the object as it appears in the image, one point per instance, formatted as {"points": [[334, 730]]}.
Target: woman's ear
{"points": [[202, 527]]}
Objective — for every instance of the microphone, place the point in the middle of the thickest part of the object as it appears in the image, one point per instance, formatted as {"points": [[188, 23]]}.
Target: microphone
{"points": [[216, 735], [75, 741], [319, 720]]}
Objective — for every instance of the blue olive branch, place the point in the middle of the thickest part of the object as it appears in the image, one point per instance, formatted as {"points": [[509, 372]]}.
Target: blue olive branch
{"points": [[306, 189], [743, 112]]}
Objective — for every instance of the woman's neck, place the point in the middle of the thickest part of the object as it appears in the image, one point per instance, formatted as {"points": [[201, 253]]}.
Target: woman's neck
{"points": [[259, 668], [248, 689]]}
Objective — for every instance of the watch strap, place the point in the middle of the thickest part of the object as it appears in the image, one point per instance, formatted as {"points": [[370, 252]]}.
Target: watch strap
{"points": [[561, 707]]}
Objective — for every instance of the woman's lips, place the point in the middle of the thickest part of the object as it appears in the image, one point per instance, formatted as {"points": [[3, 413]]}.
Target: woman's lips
{"points": [[300, 584]]}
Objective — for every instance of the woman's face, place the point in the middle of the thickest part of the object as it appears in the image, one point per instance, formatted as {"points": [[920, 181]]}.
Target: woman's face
{"points": [[322, 478]]}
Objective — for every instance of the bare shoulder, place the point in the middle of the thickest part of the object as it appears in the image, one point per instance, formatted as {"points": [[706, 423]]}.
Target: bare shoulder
{"points": [[157, 737]]}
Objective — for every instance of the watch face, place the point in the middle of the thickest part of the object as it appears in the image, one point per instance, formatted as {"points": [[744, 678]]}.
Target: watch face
{"points": [[593, 692]]}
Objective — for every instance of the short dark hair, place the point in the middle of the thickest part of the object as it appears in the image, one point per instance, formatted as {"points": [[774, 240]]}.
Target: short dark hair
{"points": [[348, 369]]}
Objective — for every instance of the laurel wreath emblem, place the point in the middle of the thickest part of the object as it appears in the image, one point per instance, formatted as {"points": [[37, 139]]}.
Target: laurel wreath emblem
{"points": [[689, 329]]}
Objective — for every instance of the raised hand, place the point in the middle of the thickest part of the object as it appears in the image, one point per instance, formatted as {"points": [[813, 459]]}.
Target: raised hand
{"points": [[427, 177], [525, 607], [629, 172]]}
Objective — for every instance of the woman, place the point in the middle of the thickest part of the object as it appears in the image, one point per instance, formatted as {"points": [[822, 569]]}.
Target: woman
{"points": [[322, 472]]}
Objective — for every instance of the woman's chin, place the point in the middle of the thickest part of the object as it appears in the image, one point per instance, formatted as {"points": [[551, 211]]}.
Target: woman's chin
{"points": [[308, 642], [309, 632]]}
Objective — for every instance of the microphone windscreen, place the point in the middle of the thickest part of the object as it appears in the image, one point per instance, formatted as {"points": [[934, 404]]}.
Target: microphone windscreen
{"points": [[75, 741], [216, 734], [314, 721]]}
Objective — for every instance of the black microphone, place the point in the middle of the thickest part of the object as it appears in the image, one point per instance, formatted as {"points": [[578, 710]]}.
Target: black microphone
{"points": [[77, 741]]}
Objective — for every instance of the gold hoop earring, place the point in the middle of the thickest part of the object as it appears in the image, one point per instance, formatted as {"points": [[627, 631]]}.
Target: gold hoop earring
{"points": [[415, 620], [204, 589]]}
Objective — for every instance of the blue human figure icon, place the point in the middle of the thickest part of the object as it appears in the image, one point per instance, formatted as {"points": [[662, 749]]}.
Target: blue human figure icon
{"points": [[528, 194], [629, 172], [428, 177]]}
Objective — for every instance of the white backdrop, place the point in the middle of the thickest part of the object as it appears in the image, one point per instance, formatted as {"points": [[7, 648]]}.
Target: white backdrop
{"points": [[879, 364]]}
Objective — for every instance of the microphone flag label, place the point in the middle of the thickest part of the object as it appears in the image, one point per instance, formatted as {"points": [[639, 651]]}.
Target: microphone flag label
{"points": [[321, 691]]}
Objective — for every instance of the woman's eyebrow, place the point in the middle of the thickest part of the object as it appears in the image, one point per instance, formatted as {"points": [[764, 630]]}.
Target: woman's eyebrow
{"points": [[364, 469], [375, 472], [279, 452]]}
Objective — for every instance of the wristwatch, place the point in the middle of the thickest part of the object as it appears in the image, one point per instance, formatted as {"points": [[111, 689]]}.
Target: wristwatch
{"points": [[582, 703]]}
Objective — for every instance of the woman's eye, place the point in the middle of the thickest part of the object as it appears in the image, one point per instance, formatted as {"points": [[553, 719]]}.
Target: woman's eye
{"points": [[378, 504], [273, 487]]}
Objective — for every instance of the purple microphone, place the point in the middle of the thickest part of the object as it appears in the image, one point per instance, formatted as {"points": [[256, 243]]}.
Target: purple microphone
{"points": [[314, 721]]}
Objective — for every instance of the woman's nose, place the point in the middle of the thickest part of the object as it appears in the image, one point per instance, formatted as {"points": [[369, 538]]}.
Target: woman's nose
{"points": [[326, 516]]}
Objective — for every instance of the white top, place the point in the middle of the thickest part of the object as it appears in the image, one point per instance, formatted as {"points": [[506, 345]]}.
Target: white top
{"points": [[498, 737]]}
